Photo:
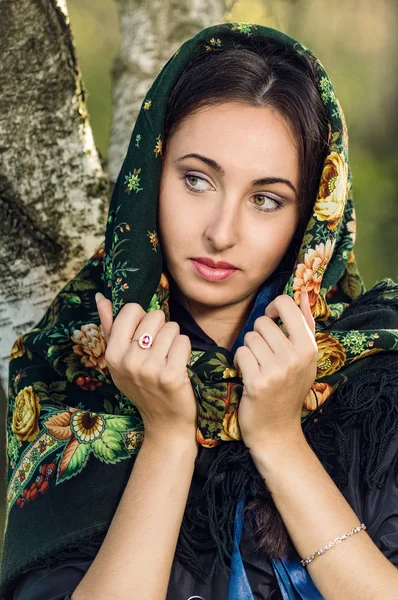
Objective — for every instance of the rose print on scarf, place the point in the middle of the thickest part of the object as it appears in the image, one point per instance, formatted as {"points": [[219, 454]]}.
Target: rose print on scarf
{"points": [[309, 274], [90, 345], [25, 422], [317, 395], [329, 205], [331, 354]]}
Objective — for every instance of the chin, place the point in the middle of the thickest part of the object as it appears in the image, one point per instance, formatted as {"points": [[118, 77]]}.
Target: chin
{"points": [[211, 294]]}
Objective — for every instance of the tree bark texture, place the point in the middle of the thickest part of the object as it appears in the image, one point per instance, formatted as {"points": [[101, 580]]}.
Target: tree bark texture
{"points": [[53, 190]]}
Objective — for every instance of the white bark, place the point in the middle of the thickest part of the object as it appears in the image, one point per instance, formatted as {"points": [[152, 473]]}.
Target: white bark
{"points": [[151, 31], [53, 191]]}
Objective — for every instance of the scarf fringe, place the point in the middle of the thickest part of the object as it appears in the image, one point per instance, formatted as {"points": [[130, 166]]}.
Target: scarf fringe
{"points": [[208, 522], [381, 299], [368, 402]]}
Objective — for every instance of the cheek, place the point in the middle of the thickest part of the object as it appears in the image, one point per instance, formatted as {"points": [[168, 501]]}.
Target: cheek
{"points": [[176, 222], [270, 242]]}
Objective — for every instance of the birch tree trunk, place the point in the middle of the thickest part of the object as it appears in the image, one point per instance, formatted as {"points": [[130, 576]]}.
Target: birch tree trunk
{"points": [[150, 32], [53, 190]]}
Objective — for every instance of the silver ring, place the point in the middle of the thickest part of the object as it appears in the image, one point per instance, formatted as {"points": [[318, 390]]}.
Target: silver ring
{"points": [[144, 341]]}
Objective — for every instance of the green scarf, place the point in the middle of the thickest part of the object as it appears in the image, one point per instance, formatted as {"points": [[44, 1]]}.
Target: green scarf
{"points": [[71, 435]]}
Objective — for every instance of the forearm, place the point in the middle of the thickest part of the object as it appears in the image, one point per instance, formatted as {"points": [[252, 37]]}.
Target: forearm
{"points": [[136, 556], [315, 512]]}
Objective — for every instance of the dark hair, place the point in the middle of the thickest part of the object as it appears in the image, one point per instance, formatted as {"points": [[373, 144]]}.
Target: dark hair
{"points": [[262, 73]]}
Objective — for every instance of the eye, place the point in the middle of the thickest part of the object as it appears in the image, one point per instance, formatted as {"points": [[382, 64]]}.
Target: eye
{"points": [[266, 203], [195, 183]]}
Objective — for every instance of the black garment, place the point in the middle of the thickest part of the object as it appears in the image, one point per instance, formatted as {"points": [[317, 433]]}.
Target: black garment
{"points": [[377, 508]]}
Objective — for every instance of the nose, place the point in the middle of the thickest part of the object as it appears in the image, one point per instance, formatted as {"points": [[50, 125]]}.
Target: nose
{"points": [[222, 224]]}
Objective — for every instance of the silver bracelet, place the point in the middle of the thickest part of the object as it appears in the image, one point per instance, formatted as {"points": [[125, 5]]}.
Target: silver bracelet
{"points": [[307, 561]]}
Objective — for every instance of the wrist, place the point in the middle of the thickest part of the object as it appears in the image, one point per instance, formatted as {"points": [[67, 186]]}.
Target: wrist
{"points": [[167, 443], [272, 451]]}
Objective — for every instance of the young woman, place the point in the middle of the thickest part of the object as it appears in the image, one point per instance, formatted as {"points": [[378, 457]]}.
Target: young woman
{"points": [[225, 416]]}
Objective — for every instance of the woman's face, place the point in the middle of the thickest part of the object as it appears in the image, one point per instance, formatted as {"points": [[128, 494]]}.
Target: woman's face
{"points": [[228, 193]]}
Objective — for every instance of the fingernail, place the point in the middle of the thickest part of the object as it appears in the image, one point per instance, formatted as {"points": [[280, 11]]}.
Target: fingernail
{"points": [[99, 296]]}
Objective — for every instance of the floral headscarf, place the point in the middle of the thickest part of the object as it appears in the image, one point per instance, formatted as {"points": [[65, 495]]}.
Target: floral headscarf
{"points": [[71, 434]]}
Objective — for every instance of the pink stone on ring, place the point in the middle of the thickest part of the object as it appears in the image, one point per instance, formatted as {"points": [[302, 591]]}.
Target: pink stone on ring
{"points": [[145, 341]]}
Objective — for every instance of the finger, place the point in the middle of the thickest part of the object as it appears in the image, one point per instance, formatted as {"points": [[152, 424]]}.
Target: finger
{"points": [[276, 340], [124, 326], [179, 352], [297, 328], [260, 349], [306, 310], [163, 341], [104, 307], [245, 360]]}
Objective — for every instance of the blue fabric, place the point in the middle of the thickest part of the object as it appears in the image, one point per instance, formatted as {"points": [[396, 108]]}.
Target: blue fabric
{"points": [[266, 294], [285, 585], [293, 579], [239, 587]]}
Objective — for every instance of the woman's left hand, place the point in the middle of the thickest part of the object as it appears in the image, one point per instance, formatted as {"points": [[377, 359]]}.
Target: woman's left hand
{"points": [[278, 371]]}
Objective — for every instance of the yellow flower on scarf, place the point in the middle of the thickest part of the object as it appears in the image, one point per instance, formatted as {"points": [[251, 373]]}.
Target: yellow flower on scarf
{"points": [[227, 373], [231, 427], [331, 354], [329, 205], [18, 349], [25, 418]]}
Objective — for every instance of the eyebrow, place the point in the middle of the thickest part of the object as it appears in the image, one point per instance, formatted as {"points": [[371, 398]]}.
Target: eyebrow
{"points": [[216, 167]]}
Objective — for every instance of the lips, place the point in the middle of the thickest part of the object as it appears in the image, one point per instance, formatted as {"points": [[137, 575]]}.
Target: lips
{"points": [[214, 265]]}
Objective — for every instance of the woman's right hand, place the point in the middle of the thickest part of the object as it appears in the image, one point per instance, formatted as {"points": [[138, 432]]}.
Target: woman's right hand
{"points": [[155, 379]]}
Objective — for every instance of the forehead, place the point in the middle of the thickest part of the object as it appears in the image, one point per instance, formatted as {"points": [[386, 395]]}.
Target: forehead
{"points": [[239, 136]]}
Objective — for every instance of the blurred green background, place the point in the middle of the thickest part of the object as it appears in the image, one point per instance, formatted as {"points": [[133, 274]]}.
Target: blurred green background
{"points": [[357, 44]]}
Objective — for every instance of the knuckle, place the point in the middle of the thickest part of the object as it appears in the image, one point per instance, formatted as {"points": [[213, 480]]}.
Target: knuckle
{"points": [[250, 336], [109, 357], [292, 360], [159, 314], [257, 386], [261, 320], [131, 308], [148, 371], [173, 326], [169, 378], [129, 362], [312, 353], [278, 373], [241, 351]]}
